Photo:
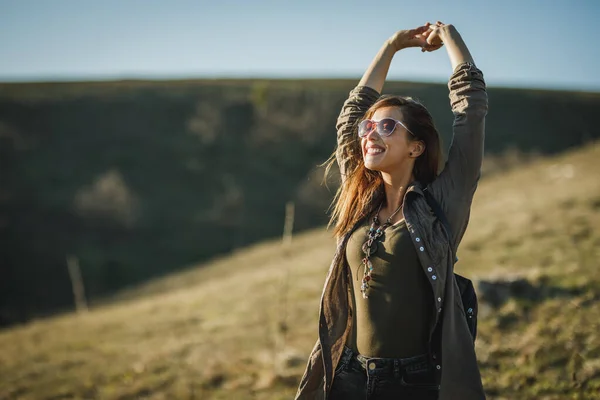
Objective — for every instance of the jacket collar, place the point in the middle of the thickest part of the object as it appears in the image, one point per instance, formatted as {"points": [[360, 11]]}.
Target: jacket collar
{"points": [[415, 187]]}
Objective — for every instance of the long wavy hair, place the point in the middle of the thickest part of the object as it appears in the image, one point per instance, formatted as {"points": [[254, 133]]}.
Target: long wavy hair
{"points": [[362, 188]]}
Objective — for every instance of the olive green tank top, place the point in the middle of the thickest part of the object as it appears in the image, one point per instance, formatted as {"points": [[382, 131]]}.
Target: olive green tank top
{"points": [[393, 322]]}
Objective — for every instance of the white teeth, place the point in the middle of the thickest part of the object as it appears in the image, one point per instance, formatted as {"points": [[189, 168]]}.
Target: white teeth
{"points": [[374, 150]]}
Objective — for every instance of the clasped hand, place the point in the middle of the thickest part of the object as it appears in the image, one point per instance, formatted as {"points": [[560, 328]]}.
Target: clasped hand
{"points": [[427, 37]]}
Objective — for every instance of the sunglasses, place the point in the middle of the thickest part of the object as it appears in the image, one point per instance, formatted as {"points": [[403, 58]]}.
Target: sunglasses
{"points": [[384, 127]]}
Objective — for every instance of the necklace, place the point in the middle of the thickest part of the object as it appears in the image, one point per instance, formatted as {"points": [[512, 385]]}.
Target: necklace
{"points": [[370, 247]]}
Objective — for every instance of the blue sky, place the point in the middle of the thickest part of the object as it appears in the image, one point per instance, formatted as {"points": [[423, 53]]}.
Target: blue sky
{"points": [[545, 43]]}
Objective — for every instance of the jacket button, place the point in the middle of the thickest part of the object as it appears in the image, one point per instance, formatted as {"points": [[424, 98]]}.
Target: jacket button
{"points": [[418, 239], [429, 269], [439, 299], [434, 277], [422, 248], [371, 366], [438, 366]]}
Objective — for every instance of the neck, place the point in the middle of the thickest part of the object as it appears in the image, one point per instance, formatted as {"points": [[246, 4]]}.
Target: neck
{"points": [[395, 185]]}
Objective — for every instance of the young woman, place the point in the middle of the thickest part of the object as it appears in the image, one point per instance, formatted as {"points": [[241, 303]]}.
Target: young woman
{"points": [[391, 323]]}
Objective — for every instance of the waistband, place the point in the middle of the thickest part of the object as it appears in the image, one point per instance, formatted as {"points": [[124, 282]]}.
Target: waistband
{"points": [[386, 366]]}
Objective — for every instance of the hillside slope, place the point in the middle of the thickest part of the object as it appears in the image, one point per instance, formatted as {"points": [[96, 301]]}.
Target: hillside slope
{"points": [[138, 179], [209, 333]]}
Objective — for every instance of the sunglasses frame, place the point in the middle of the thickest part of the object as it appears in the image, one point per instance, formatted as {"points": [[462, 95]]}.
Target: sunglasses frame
{"points": [[379, 130]]}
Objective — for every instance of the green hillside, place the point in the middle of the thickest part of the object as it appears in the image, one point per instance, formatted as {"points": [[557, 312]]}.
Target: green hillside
{"points": [[241, 327], [139, 179]]}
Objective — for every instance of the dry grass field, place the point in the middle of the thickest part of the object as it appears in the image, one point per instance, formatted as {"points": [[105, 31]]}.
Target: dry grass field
{"points": [[241, 327]]}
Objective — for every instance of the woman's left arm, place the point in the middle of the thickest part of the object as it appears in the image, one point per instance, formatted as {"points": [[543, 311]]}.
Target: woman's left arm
{"points": [[456, 47], [455, 186]]}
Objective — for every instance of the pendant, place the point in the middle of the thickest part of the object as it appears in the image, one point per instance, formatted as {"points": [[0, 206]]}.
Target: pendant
{"points": [[363, 289]]}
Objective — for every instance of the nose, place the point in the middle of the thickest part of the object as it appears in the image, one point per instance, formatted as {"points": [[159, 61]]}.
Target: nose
{"points": [[373, 131]]}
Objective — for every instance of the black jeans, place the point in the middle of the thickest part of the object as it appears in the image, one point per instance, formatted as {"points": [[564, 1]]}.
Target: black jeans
{"points": [[358, 377]]}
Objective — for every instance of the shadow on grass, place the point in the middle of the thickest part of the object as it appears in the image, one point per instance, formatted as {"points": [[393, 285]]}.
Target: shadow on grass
{"points": [[497, 293]]}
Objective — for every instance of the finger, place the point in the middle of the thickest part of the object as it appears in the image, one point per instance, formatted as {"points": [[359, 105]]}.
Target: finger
{"points": [[433, 36], [427, 33], [433, 47]]}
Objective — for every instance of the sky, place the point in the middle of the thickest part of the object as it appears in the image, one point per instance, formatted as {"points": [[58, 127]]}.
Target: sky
{"points": [[542, 44]]}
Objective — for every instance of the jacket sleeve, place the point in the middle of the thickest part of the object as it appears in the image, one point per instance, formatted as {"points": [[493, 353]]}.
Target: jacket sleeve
{"points": [[354, 108], [455, 186]]}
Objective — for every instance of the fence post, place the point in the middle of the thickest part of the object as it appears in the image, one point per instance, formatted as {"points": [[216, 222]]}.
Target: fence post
{"points": [[286, 243], [77, 284]]}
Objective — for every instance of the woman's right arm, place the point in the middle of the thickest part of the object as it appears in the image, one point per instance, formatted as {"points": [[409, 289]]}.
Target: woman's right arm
{"points": [[368, 91]]}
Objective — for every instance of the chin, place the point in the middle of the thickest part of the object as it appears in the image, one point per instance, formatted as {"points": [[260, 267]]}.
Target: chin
{"points": [[372, 166]]}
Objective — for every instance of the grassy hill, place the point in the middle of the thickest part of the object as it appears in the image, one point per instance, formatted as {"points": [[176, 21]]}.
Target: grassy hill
{"points": [[210, 332], [138, 179]]}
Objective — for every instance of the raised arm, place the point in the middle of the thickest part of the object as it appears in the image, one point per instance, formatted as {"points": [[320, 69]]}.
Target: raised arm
{"points": [[368, 90], [447, 34], [455, 186], [374, 76]]}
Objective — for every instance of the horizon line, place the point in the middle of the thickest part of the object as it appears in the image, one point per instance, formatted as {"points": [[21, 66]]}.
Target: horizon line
{"points": [[107, 78]]}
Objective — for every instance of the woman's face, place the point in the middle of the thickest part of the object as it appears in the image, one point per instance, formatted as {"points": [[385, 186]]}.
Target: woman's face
{"points": [[387, 153]]}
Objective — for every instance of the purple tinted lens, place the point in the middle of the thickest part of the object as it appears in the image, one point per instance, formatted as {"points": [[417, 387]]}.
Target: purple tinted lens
{"points": [[365, 127], [387, 126]]}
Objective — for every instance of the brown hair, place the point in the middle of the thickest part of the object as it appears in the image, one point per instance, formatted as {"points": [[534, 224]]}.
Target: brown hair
{"points": [[358, 192]]}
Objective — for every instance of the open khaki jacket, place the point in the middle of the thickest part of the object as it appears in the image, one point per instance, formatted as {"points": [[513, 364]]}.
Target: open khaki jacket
{"points": [[451, 345]]}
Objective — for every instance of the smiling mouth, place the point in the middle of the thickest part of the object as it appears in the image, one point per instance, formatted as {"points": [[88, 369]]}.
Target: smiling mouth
{"points": [[372, 151]]}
